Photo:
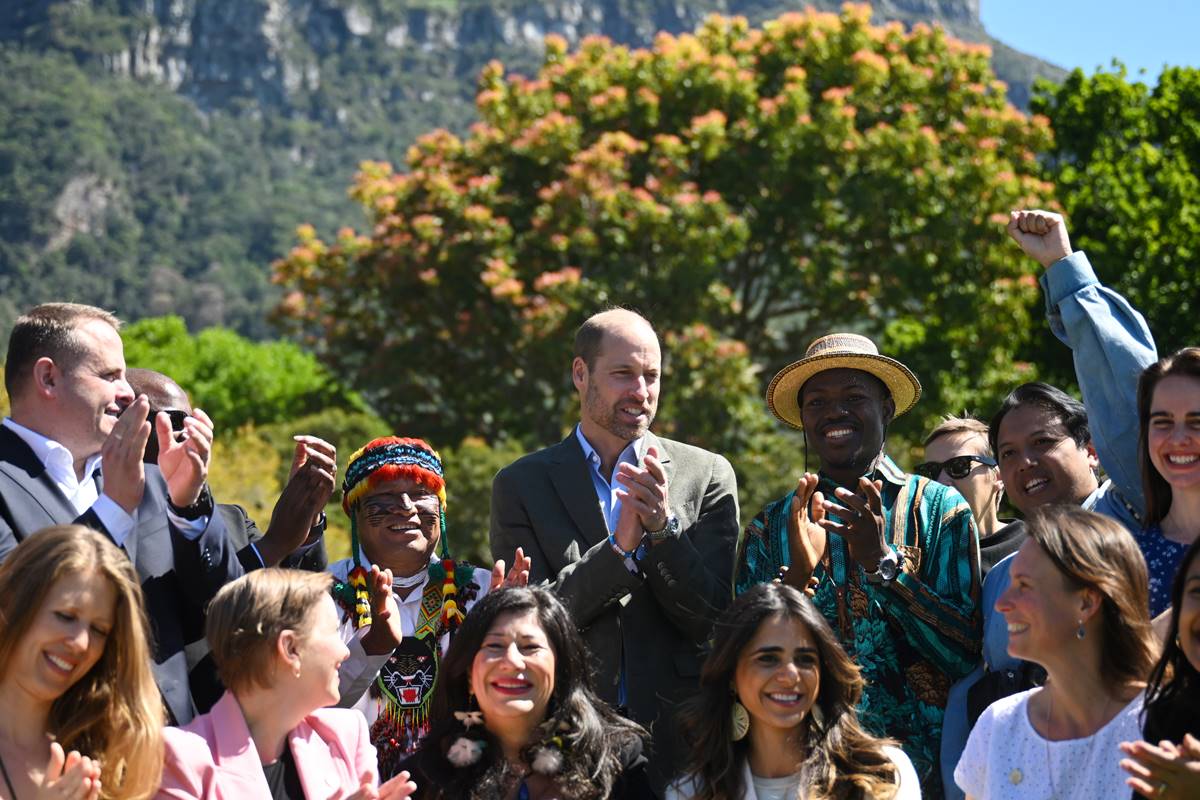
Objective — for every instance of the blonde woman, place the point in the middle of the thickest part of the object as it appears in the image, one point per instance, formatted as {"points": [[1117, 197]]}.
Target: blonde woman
{"points": [[80, 716]]}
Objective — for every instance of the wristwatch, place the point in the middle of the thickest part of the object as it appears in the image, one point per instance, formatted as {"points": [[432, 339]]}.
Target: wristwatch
{"points": [[203, 507], [889, 567], [669, 530]]}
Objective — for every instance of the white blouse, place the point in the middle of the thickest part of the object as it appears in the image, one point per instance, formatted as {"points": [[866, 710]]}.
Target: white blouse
{"points": [[772, 788], [1006, 758]]}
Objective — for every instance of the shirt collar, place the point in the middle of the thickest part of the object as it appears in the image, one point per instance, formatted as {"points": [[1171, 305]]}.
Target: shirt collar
{"points": [[885, 470], [632, 453], [56, 458]]}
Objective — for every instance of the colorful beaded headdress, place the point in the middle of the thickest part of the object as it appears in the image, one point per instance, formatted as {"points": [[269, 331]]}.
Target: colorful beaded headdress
{"points": [[387, 459]]}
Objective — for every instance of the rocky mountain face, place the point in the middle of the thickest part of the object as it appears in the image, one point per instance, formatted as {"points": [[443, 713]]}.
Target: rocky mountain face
{"points": [[272, 52], [158, 154]]}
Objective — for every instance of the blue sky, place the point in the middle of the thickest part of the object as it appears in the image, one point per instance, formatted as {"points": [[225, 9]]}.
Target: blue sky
{"points": [[1088, 33]]}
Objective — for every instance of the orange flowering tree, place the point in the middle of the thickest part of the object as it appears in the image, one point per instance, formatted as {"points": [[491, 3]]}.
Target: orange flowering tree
{"points": [[747, 189]]}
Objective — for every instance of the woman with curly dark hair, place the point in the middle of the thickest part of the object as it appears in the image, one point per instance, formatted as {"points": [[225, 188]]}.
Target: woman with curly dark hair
{"points": [[514, 714], [775, 714]]}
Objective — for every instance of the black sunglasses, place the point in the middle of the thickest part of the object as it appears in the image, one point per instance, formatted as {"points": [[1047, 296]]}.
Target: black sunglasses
{"points": [[958, 467]]}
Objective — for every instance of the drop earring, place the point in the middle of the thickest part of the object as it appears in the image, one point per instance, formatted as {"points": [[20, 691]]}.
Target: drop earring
{"points": [[1079, 634], [741, 721]]}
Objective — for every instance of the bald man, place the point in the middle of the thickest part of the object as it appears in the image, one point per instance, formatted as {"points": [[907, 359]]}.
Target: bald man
{"points": [[635, 533]]}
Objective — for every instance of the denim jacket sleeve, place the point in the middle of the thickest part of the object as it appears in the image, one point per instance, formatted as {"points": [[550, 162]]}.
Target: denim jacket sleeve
{"points": [[1111, 345]]}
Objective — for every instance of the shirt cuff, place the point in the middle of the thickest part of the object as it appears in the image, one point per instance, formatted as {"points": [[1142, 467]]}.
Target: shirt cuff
{"points": [[117, 521], [1065, 277], [192, 529]]}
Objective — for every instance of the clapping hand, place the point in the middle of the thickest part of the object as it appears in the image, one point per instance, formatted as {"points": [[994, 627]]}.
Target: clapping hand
{"points": [[645, 490], [121, 456], [862, 524], [385, 633], [310, 485], [398, 788], [183, 456], [517, 576], [70, 776], [1166, 772], [807, 540]]}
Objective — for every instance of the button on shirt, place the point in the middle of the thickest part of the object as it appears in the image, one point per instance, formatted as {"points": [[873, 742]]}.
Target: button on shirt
{"points": [[84, 494], [610, 509], [606, 491]]}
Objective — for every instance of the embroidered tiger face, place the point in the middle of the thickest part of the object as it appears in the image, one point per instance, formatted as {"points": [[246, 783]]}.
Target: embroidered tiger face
{"points": [[409, 674]]}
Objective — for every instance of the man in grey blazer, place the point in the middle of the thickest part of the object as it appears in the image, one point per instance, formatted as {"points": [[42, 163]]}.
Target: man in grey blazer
{"points": [[635, 533]]}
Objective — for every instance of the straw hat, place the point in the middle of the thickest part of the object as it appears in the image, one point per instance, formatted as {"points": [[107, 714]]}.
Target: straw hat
{"points": [[837, 351]]}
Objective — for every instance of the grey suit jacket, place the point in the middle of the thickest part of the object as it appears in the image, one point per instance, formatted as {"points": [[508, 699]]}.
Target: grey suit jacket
{"points": [[178, 576], [657, 622]]}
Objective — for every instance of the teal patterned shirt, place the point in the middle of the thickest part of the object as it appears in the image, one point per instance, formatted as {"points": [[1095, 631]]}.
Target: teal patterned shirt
{"points": [[912, 638]]}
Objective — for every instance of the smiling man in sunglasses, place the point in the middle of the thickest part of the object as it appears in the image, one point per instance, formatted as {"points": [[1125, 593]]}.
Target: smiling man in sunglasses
{"points": [[958, 454]]}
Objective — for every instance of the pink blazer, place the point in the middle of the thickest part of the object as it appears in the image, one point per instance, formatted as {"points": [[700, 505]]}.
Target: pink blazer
{"points": [[214, 758]]}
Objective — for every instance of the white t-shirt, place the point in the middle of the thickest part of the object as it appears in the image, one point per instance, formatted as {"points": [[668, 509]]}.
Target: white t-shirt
{"points": [[787, 788], [1006, 758]]}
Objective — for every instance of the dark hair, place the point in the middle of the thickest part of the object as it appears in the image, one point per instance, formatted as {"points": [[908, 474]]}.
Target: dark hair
{"points": [[595, 737], [1155, 487], [1096, 552], [1072, 412], [1172, 701], [842, 760], [47, 331], [589, 338]]}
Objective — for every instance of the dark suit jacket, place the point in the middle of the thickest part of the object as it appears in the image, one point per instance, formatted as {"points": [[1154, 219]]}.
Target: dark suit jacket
{"points": [[178, 576], [206, 684], [657, 622], [243, 532]]}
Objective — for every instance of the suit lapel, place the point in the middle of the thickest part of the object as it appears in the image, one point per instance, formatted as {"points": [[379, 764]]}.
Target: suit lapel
{"points": [[664, 457], [573, 483], [20, 464], [319, 775], [233, 747]]}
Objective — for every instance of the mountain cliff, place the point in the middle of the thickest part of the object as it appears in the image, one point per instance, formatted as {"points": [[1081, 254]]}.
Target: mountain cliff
{"points": [[155, 155]]}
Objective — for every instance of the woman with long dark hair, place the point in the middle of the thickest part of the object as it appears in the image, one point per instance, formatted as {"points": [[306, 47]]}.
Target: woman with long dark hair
{"points": [[775, 716], [1170, 769], [515, 717], [80, 715], [1169, 444], [1076, 605]]}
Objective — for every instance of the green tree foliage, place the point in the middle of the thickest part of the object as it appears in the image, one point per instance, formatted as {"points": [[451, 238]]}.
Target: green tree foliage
{"points": [[237, 381], [1126, 159], [773, 183]]}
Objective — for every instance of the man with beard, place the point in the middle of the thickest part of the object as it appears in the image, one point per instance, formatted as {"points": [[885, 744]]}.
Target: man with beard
{"points": [[635, 533], [894, 557]]}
